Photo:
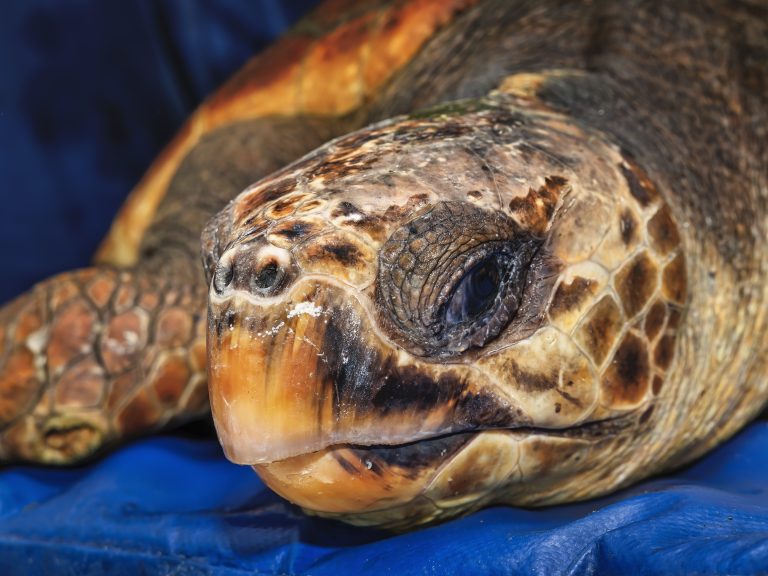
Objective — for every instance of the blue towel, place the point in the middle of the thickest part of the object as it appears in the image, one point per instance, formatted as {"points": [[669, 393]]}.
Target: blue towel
{"points": [[89, 93], [175, 505]]}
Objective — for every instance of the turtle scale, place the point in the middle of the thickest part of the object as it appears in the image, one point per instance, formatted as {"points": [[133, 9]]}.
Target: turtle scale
{"points": [[660, 309]]}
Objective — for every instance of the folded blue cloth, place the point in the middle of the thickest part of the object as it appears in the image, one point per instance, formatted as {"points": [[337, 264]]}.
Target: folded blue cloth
{"points": [[173, 505]]}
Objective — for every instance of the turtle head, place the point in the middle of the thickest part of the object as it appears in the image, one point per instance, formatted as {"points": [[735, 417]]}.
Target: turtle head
{"points": [[470, 305]]}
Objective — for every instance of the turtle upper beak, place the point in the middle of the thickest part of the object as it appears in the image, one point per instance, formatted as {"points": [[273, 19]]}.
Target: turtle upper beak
{"points": [[307, 372]]}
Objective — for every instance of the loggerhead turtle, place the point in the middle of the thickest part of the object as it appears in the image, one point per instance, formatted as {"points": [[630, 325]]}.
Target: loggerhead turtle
{"points": [[538, 276]]}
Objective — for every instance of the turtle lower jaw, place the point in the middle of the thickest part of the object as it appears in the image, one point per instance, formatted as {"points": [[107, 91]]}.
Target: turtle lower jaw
{"points": [[352, 479], [366, 484]]}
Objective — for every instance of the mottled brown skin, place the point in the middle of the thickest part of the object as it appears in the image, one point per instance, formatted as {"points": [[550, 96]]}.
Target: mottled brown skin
{"points": [[619, 167]]}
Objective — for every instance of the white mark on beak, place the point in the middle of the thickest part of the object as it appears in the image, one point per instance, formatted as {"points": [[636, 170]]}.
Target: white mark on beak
{"points": [[305, 308]]}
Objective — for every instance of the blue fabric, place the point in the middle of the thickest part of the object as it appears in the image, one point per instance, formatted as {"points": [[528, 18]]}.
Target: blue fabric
{"points": [[172, 505], [89, 93]]}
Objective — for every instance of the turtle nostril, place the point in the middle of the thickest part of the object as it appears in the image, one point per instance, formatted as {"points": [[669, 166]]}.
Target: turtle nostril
{"points": [[225, 273], [269, 278], [259, 270], [272, 271]]}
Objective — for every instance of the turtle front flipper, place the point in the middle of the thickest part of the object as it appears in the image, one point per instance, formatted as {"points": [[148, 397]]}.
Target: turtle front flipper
{"points": [[90, 357]]}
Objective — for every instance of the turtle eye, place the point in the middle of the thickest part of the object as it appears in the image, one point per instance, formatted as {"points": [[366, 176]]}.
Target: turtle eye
{"points": [[453, 278], [475, 293]]}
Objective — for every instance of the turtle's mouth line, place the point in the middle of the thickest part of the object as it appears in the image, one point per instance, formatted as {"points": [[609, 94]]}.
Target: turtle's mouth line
{"points": [[588, 431]]}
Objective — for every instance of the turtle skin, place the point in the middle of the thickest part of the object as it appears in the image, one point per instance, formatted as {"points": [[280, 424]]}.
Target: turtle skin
{"points": [[525, 263]]}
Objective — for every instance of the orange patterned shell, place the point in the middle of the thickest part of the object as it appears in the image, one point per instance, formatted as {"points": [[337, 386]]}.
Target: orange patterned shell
{"points": [[354, 48]]}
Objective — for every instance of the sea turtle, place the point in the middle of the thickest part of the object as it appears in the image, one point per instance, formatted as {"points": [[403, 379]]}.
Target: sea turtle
{"points": [[540, 273]]}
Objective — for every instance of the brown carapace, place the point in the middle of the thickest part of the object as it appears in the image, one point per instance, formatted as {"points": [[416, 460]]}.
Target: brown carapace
{"points": [[538, 274]]}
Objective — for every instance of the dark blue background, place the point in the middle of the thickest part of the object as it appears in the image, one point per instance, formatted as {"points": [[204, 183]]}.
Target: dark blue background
{"points": [[89, 93]]}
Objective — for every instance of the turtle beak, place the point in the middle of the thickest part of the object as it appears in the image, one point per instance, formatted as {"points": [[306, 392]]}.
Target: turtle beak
{"points": [[306, 372]]}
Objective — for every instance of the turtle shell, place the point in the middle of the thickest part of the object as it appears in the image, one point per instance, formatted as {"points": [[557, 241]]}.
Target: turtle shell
{"points": [[356, 48]]}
